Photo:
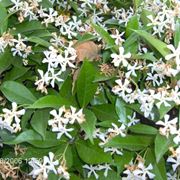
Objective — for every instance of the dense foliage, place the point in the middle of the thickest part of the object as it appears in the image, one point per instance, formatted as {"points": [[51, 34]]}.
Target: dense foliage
{"points": [[90, 89]]}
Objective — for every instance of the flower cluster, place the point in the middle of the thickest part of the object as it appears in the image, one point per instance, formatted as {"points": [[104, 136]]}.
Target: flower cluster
{"points": [[10, 119], [18, 46], [92, 169], [48, 164], [138, 171], [63, 118]]}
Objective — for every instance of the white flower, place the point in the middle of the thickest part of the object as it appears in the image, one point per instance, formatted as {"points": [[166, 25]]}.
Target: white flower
{"points": [[157, 79], [169, 126], [120, 58], [68, 30], [113, 150], [43, 168], [58, 117], [130, 175], [92, 170], [61, 129], [133, 120], [54, 77], [175, 161], [42, 82], [175, 54], [106, 167], [12, 117], [172, 177], [118, 130], [17, 4], [132, 69], [5, 125], [143, 171], [75, 116], [122, 88], [177, 137], [162, 97], [49, 18], [20, 48], [118, 37]]}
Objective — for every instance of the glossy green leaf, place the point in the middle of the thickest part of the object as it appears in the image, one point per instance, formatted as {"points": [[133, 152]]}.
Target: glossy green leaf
{"points": [[132, 24], [50, 101], [5, 60], [15, 73], [92, 154], [16, 92], [39, 41], [39, 121], [85, 86], [121, 110], [162, 144], [89, 124], [143, 129], [34, 138], [3, 19], [105, 112], [130, 142], [25, 136], [156, 43]]}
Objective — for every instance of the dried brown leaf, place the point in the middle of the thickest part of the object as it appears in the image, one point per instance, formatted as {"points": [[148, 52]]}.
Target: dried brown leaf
{"points": [[88, 50]]}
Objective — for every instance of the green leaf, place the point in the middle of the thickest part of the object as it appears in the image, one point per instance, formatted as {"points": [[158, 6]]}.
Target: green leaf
{"points": [[25, 136], [16, 73], [84, 38], [6, 3], [5, 60], [39, 121], [143, 129], [32, 137], [28, 27], [92, 154], [89, 124], [147, 56], [3, 19], [50, 141], [16, 92], [177, 34], [156, 43], [158, 168], [46, 4], [50, 101], [104, 35], [105, 112], [121, 110], [132, 25], [130, 142], [25, 119], [39, 41], [131, 43], [162, 145], [85, 86]]}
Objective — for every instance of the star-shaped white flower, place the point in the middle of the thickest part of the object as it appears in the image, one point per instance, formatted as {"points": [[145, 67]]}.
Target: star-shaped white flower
{"points": [[120, 58]]}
